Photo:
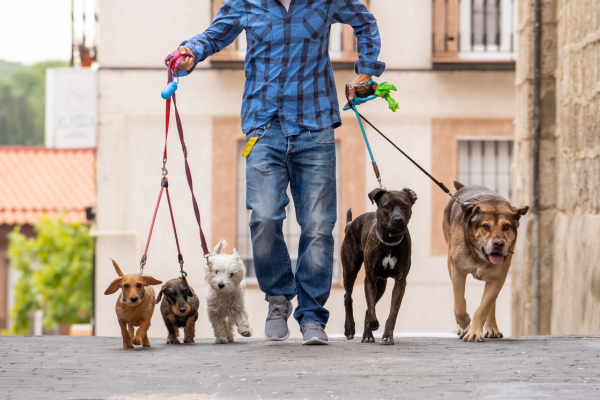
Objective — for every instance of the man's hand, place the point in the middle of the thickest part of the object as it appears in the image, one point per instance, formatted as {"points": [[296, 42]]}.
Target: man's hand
{"points": [[360, 78], [188, 63]]}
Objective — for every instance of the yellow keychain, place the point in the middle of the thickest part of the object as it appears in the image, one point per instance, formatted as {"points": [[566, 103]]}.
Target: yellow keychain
{"points": [[249, 146]]}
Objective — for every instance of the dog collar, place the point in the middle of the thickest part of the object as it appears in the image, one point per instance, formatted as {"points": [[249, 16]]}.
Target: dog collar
{"points": [[386, 243], [124, 299]]}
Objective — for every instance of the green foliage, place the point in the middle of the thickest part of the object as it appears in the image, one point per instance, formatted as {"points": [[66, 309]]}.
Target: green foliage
{"points": [[22, 102], [383, 90], [56, 269]]}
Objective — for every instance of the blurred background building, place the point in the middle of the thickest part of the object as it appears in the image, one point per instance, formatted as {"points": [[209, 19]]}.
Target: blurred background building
{"points": [[453, 63]]}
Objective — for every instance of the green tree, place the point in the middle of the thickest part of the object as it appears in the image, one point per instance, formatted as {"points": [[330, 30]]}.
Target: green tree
{"points": [[56, 269], [22, 102]]}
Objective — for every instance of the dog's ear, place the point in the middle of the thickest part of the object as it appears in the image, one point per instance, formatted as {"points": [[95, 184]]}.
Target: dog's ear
{"points": [[376, 194], [411, 195], [149, 281], [219, 247], [236, 255], [469, 209], [114, 286], [119, 272], [159, 297], [518, 213], [458, 185]]}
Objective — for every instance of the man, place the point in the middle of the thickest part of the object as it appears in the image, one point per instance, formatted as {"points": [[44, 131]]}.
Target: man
{"points": [[289, 110]]}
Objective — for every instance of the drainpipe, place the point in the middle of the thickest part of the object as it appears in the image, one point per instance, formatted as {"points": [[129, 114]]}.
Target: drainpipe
{"points": [[535, 270]]}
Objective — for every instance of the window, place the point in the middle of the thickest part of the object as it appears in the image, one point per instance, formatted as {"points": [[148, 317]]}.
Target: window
{"points": [[467, 31], [291, 229], [342, 44], [486, 162]]}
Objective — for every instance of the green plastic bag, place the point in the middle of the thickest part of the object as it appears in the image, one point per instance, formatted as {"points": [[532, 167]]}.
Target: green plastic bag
{"points": [[383, 90]]}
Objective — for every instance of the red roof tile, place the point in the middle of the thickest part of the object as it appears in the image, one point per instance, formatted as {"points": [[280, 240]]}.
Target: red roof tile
{"points": [[36, 180]]}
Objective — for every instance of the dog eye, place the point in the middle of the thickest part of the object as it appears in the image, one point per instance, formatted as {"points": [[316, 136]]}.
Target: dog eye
{"points": [[139, 285], [231, 275], [126, 286], [506, 227], [486, 227], [216, 272], [386, 207]]}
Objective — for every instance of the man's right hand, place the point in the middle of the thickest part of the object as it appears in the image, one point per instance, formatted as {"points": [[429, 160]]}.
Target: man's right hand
{"points": [[188, 63]]}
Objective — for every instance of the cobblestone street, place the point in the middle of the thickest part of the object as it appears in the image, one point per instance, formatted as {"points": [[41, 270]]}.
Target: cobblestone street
{"points": [[59, 367]]}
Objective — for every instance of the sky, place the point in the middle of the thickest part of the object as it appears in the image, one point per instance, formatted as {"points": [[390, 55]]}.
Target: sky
{"points": [[39, 30]]}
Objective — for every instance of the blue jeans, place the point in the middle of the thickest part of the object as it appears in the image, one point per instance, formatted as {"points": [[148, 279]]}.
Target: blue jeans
{"points": [[307, 163]]}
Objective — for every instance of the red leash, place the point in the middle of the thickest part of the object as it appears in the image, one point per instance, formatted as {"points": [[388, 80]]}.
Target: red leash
{"points": [[172, 62]]}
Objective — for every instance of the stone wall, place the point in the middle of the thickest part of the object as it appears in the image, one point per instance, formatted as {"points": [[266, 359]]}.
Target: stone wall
{"points": [[569, 220]]}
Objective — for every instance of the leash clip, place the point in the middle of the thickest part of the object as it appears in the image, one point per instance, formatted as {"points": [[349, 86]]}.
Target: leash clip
{"points": [[183, 273], [164, 169], [206, 256]]}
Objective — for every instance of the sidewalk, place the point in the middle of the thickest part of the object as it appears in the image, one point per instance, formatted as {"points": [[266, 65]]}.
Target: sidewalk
{"points": [[59, 367]]}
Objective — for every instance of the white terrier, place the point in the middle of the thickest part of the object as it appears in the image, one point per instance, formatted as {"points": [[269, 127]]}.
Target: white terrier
{"points": [[225, 294]]}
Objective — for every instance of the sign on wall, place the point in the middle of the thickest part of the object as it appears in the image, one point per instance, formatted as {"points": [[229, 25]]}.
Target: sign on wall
{"points": [[71, 108]]}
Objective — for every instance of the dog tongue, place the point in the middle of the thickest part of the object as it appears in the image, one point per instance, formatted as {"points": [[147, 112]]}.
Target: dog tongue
{"points": [[496, 259]]}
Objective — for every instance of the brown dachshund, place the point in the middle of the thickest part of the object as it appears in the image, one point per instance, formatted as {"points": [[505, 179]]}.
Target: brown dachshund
{"points": [[179, 309], [134, 307]]}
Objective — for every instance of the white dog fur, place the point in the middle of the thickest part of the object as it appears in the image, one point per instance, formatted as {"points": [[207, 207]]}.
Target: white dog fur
{"points": [[225, 294]]}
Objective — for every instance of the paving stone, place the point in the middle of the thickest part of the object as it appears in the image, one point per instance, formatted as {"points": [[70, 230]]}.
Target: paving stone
{"points": [[60, 367]]}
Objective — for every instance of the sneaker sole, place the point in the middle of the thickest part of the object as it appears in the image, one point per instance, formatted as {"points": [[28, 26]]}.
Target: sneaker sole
{"points": [[314, 340], [288, 332]]}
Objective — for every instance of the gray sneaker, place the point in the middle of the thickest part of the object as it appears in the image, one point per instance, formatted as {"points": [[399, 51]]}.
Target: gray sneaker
{"points": [[280, 309], [314, 333]]}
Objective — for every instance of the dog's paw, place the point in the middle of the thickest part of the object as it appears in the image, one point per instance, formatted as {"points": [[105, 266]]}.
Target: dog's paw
{"points": [[188, 340], [136, 341], [127, 345], [387, 340], [349, 331], [247, 333], [493, 333], [147, 345], [461, 332], [230, 339], [368, 338], [374, 324], [176, 341], [474, 337], [221, 340]]}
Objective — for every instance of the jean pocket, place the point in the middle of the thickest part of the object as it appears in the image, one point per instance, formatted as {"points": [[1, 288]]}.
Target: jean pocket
{"points": [[314, 23], [323, 136], [256, 133]]}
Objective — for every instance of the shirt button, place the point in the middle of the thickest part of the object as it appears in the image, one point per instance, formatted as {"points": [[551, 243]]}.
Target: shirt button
{"points": [[287, 21], [287, 41], [281, 86]]}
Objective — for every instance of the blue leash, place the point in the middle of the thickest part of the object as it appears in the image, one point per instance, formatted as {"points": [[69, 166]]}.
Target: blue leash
{"points": [[352, 104]]}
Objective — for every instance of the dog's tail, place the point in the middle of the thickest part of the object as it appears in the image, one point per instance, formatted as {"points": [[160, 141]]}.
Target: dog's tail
{"points": [[119, 272], [348, 219]]}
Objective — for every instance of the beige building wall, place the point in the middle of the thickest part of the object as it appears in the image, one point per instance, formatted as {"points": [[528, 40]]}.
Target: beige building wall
{"points": [[131, 134], [569, 221]]}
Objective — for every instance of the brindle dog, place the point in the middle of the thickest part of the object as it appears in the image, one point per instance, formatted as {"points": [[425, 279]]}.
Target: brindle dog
{"points": [[179, 310], [381, 240]]}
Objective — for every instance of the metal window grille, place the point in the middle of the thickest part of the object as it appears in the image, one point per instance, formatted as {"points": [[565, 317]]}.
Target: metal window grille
{"points": [[291, 228], [486, 163]]}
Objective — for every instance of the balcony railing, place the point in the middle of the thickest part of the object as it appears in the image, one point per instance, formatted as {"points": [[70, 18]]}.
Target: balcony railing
{"points": [[342, 43], [474, 31]]}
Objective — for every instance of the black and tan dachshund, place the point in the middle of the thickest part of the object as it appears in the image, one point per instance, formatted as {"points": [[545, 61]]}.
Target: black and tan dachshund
{"points": [[179, 309]]}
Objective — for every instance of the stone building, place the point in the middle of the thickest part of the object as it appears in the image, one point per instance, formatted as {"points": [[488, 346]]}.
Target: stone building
{"points": [[566, 298], [453, 63]]}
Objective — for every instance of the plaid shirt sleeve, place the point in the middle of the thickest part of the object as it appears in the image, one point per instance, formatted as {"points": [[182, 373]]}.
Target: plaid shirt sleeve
{"points": [[226, 26], [355, 14]]}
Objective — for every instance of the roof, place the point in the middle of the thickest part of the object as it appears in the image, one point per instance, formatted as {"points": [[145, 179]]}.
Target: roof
{"points": [[36, 181]]}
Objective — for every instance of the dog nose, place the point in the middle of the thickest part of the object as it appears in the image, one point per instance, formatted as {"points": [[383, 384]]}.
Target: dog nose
{"points": [[182, 309], [498, 243], [133, 299], [397, 220], [221, 285]]}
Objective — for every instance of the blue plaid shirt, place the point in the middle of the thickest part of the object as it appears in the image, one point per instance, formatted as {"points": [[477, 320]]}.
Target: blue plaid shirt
{"points": [[288, 70]]}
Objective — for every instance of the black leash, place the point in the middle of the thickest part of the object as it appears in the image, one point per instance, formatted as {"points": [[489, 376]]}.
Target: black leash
{"points": [[438, 183]]}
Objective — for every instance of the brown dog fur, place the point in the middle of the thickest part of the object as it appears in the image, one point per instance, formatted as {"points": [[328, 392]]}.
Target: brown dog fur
{"points": [[176, 292], [481, 237], [129, 313]]}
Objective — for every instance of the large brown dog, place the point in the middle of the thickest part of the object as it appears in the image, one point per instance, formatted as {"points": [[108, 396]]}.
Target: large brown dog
{"points": [[135, 306], [381, 240], [481, 237]]}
